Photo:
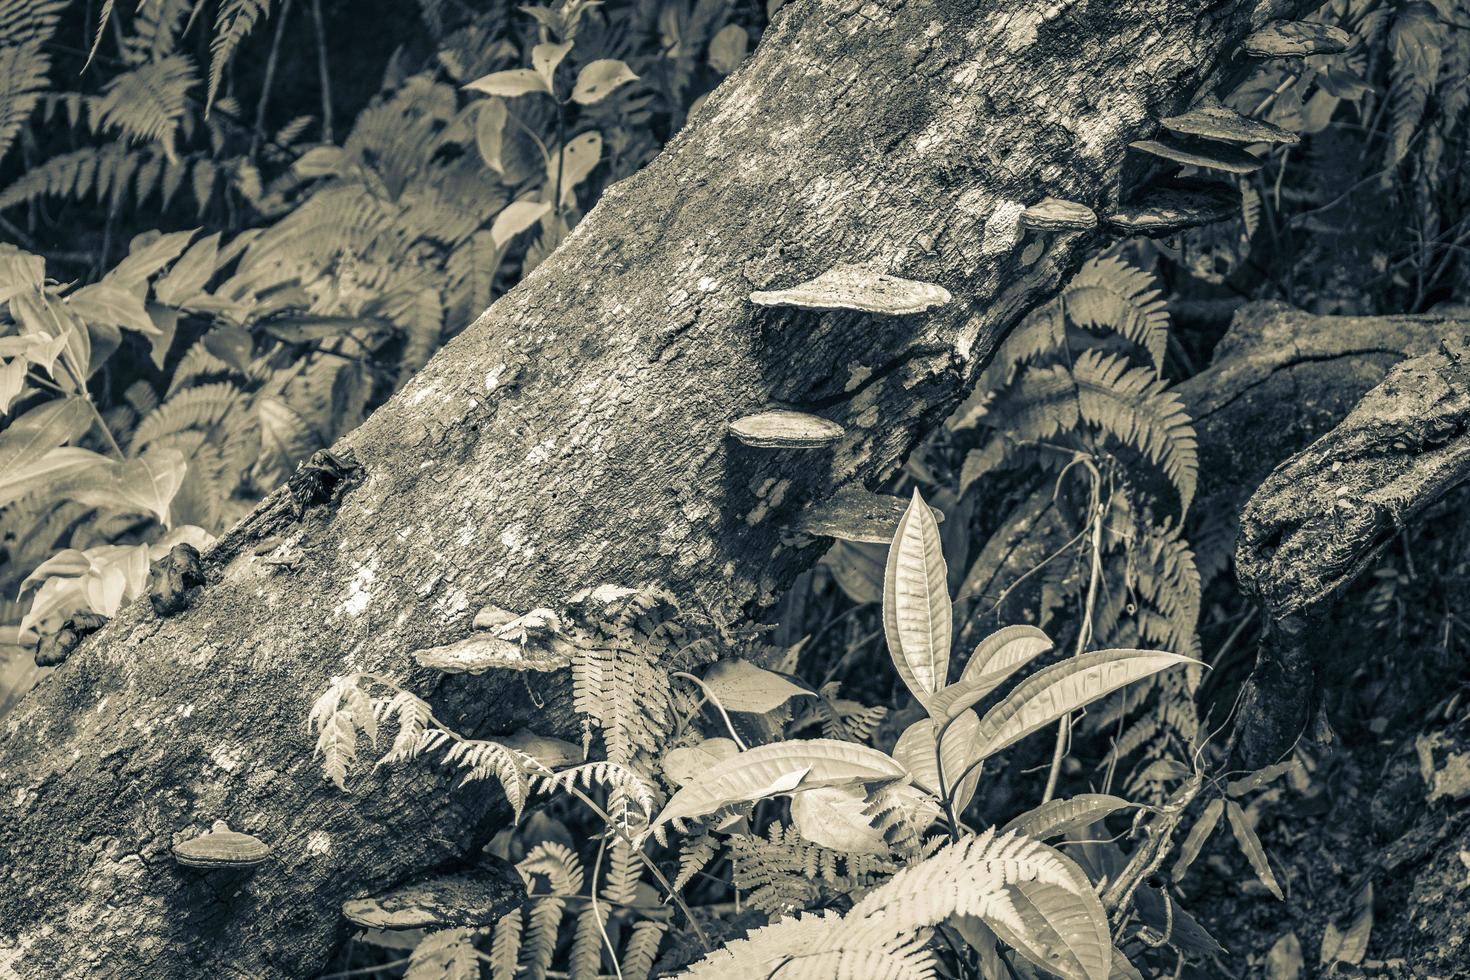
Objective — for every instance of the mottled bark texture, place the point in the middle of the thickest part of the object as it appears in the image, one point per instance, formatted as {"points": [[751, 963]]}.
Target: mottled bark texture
{"points": [[575, 435]]}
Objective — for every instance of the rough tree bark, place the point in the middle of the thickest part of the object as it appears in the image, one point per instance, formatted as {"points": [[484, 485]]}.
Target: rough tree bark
{"points": [[575, 435], [1324, 516]]}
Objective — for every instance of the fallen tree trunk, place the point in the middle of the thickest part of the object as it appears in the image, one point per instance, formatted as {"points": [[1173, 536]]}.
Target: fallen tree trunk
{"points": [[1322, 518], [575, 435]]}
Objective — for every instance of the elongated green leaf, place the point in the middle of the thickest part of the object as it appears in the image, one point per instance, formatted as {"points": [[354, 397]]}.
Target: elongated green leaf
{"points": [[516, 218], [64, 462], [41, 430], [1057, 817], [917, 617], [545, 58], [1066, 930], [1062, 688], [997, 657], [580, 157], [915, 752], [1251, 845], [742, 686], [769, 770], [1198, 834], [111, 305], [599, 78], [832, 816], [517, 81], [147, 253], [1011, 646]]}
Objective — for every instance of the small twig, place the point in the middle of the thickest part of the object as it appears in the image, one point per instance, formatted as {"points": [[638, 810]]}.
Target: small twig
{"points": [[270, 77], [321, 69], [710, 696], [1084, 629]]}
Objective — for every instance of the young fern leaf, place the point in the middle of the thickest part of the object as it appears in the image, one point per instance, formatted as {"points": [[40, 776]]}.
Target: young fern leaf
{"points": [[978, 876], [505, 948], [26, 26], [642, 949], [1109, 294], [1138, 410], [233, 22], [148, 103]]}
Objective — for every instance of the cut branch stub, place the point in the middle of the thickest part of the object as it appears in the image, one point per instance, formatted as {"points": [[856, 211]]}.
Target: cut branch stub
{"points": [[221, 848], [1055, 214], [854, 514], [1295, 39], [473, 898], [1222, 123], [855, 287], [1173, 206], [1200, 153], [780, 428]]}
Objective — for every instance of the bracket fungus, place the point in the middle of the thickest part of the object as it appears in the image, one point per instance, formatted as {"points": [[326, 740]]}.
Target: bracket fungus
{"points": [[1218, 122], [1296, 39], [1055, 214], [854, 514], [1201, 153], [1168, 207], [221, 848], [479, 897], [856, 287], [781, 428]]}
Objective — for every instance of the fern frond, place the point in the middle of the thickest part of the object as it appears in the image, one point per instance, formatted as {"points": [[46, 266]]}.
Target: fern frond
{"points": [[642, 949], [1109, 294], [539, 944], [1137, 409], [448, 954], [147, 103], [695, 854], [25, 28], [232, 24], [204, 407], [505, 948], [480, 759]]}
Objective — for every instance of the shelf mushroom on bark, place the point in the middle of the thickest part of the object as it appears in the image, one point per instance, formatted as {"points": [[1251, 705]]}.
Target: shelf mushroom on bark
{"points": [[1168, 207], [221, 849], [856, 287], [479, 897], [782, 428], [1296, 39], [1214, 121]]}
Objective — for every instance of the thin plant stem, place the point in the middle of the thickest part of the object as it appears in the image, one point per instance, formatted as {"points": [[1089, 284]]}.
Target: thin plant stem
{"points": [[710, 696], [561, 154], [321, 70], [597, 911], [270, 77], [1084, 629]]}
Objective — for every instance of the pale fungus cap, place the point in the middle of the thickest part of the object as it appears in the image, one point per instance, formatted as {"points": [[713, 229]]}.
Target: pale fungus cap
{"points": [[221, 848], [1295, 39], [1222, 123], [854, 514], [1056, 214], [472, 898], [780, 428], [855, 287], [1173, 206], [1199, 153]]}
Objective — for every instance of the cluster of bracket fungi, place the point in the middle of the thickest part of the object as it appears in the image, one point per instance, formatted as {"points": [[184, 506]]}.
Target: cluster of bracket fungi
{"points": [[1209, 136]]}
